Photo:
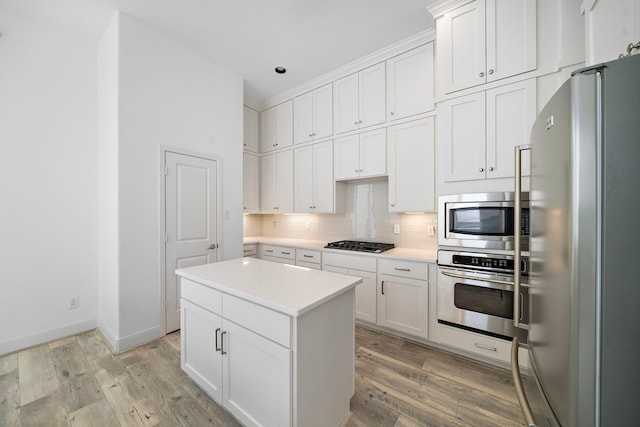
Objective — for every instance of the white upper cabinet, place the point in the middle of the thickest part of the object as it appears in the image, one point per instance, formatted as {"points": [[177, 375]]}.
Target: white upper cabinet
{"points": [[250, 183], [410, 83], [359, 99], [477, 132], [361, 155], [276, 182], [251, 140], [484, 41], [313, 115], [314, 185], [411, 166], [276, 127]]}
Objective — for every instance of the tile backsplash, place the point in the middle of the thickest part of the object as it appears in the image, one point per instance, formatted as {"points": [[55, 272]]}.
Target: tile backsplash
{"points": [[365, 218]]}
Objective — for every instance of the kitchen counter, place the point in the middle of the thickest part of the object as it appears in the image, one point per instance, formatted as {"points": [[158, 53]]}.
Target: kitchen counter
{"points": [[284, 288], [410, 254]]}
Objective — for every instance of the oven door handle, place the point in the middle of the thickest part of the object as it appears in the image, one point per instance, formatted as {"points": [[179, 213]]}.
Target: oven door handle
{"points": [[483, 279]]}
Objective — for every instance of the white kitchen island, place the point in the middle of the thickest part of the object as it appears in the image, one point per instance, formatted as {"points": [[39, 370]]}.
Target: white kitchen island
{"points": [[272, 343]]}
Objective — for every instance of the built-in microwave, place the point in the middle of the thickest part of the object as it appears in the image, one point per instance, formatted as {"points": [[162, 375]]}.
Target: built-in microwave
{"points": [[481, 220]]}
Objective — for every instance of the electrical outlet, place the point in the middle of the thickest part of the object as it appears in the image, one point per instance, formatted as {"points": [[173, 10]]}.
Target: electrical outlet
{"points": [[431, 230], [274, 224], [396, 228], [74, 302], [307, 226]]}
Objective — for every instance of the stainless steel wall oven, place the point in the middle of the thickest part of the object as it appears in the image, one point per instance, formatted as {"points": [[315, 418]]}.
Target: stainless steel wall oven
{"points": [[476, 292], [477, 264]]}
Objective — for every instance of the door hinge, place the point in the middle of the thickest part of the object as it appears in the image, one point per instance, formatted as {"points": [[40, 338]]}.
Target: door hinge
{"points": [[166, 237], [166, 171]]}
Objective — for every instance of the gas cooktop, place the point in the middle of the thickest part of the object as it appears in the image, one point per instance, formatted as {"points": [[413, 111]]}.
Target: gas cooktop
{"points": [[353, 245]]}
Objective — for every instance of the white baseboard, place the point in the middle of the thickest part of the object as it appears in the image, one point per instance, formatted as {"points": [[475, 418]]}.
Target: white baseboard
{"points": [[46, 336], [119, 345], [137, 339]]}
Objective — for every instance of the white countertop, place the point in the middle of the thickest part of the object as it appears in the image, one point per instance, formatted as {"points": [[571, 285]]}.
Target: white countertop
{"points": [[288, 289], [410, 254]]}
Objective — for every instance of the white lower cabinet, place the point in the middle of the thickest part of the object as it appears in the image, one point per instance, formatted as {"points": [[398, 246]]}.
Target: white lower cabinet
{"points": [[403, 296], [358, 266], [257, 377], [281, 254], [265, 367]]}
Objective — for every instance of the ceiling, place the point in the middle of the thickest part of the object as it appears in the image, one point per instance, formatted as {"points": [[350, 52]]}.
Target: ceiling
{"points": [[252, 37]]}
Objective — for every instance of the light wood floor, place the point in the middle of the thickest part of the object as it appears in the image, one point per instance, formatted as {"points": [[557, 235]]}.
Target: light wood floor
{"points": [[76, 381]]}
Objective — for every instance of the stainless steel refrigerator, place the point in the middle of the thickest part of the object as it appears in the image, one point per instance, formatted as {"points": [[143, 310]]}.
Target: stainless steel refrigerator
{"points": [[584, 337]]}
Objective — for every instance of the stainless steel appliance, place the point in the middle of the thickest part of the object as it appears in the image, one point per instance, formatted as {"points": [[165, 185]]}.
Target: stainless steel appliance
{"points": [[476, 292], [480, 220], [354, 245], [584, 339]]}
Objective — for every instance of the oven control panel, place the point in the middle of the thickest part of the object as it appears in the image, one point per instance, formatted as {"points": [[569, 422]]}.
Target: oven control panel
{"points": [[487, 262]]}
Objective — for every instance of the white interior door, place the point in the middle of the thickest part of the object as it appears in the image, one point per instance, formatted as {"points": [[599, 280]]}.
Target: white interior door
{"points": [[190, 222]]}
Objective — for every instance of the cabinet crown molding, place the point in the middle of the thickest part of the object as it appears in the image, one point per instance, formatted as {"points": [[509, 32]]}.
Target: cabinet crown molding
{"points": [[437, 8], [381, 55]]}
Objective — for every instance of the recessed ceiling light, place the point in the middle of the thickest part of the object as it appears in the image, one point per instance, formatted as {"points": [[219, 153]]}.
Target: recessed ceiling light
{"points": [[280, 70]]}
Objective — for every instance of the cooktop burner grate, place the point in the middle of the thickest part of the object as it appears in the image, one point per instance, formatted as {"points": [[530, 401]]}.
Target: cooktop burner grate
{"points": [[353, 245]]}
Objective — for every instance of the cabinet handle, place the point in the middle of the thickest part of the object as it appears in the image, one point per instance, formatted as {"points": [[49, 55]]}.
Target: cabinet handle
{"points": [[481, 74], [268, 250], [355, 123], [307, 256], [355, 170], [392, 113], [490, 168], [490, 71], [285, 253], [481, 169], [222, 342], [217, 335], [485, 347], [383, 287], [401, 269], [393, 205], [359, 122]]}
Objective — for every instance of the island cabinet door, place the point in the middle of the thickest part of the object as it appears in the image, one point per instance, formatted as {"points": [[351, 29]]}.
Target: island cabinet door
{"points": [[200, 356], [257, 378]]}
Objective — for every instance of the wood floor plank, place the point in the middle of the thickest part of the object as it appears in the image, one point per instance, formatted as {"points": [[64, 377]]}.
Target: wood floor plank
{"points": [[366, 411], [47, 411], [78, 385], [92, 345], [418, 411], [10, 399], [96, 414], [37, 375]]}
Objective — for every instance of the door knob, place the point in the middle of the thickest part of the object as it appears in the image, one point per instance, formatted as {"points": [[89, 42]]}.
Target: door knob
{"points": [[213, 246]]}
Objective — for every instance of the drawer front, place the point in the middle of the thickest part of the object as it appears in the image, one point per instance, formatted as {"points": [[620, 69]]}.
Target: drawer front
{"points": [[412, 270], [306, 255], [263, 321], [278, 251], [307, 264], [250, 250], [482, 345], [201, 295], [349, 261]]}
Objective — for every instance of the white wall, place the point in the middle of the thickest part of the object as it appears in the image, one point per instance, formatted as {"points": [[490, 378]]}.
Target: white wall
{"points": [[48, 182], [610, 26], [167, 96], [108, 84]]}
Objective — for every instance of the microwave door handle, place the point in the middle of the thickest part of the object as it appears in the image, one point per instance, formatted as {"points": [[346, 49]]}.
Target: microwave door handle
{"points": [[483, 279], [517, 230], [517, 381]]}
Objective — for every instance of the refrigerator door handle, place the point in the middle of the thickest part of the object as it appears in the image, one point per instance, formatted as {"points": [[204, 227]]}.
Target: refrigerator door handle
{"points": [[517, 231], [517, 381]]}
